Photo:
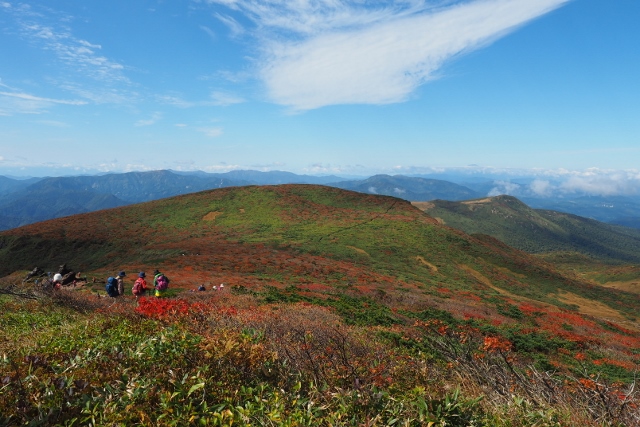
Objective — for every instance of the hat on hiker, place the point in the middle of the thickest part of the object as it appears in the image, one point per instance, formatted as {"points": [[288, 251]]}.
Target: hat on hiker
{"points": [[57, 277], [122, 274], [141, 274]]}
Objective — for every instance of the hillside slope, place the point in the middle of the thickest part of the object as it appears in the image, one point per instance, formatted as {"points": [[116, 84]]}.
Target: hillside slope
{"points": [[537, 231], [28, 201], [298, 235], [49, 198]]}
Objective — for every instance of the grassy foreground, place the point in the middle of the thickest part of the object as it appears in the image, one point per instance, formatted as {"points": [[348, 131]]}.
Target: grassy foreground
{"points": [[233, 359]]}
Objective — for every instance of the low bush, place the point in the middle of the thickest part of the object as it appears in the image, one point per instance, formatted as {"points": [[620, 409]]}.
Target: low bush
{"points": [[195, 361]]}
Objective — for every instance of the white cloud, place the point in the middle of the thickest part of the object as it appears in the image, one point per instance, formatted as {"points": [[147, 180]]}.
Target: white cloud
{"points": [[216, 99], [504, 187], [54, 123], [209, 32], [268, 166], [150, 121], [48, 31], [541, 187], [234, 26], [602, 182], [220, 168], [176, 101], [329, 52], [312, 17], [563, 182], [224, 99], [212, 132], [32, 98], [101, 95], [24, 103], [230, 76], [322, 169]]}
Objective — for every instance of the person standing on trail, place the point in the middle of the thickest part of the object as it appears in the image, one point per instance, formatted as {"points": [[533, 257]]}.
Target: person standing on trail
{"points": [[112, 287], [120, 279], [160, 283], [140, 286]]}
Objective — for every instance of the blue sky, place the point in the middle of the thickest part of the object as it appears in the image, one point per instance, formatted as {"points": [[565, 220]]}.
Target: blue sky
{"points": [[542, 87]]}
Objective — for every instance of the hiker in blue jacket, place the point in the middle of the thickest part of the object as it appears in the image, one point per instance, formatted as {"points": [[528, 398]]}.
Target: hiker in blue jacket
{"points": [[112, 287]]}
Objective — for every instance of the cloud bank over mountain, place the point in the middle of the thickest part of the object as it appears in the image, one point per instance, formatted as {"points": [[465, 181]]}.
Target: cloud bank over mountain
{"points": [[594, 182]]}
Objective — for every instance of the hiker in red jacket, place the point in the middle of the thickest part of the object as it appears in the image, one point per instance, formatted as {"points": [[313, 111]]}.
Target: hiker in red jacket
{"points": [[140, 286]]}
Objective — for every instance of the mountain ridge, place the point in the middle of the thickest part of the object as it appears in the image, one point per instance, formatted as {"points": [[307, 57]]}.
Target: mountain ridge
{"points": [[19, 199], [537, 230]]}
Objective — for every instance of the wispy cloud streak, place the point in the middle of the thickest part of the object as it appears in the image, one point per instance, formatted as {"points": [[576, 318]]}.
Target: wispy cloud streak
{"points": [[24, 103], [155, 117], [325, 52], [49, 31], [32, 98], [216, 99]]}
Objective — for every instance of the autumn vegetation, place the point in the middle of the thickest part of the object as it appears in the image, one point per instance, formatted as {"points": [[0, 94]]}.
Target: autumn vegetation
{"points": [[338, 309]]}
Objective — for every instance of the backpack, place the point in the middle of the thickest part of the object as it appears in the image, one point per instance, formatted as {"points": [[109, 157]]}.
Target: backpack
{"points": [[112, 287], [137, 287], [162, 282]]}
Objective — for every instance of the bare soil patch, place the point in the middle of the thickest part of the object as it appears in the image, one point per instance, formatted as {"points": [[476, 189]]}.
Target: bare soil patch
{"points": [[358, 250], [632, 286], [211, 216], [477, 202], [596, 309], [427, 263]]}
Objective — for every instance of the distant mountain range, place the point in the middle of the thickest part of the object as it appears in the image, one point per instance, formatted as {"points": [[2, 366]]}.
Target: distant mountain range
{"points": [[409, 188], [37, 199], [537, 230]]}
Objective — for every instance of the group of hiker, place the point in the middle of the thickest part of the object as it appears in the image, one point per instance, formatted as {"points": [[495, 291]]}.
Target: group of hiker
{"points": [[49, 280], [115, 284]]}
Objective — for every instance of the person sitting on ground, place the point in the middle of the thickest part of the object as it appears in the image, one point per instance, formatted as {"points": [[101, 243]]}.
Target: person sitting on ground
{"points": [[36, 272], [160, 283], [140, 286], [202, 288], [57, 281], [120, 280], [63, 270]]}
